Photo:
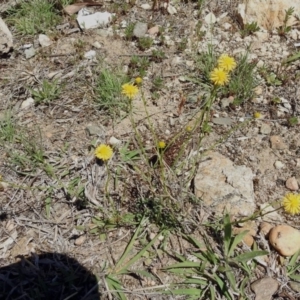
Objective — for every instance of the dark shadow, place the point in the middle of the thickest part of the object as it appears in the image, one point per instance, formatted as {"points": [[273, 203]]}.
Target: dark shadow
{"points": [[50, 276]]}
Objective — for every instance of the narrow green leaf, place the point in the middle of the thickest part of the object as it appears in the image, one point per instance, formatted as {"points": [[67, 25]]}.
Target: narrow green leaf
{"points": [[295, 277], [196, 281], [212, 292], [235, 241], [115, 287], [294, 259], [129, 246], [231, 278], [249, 255], [185, 264], [227, 234]]}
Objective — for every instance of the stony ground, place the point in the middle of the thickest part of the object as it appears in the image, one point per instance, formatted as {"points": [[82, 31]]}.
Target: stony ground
{"points": [[54, 200]]}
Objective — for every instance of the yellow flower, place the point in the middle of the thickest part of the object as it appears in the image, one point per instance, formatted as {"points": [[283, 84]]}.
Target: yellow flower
{"points": [[129, 90], [257, 115], [103, 152], [219, 77], [226, 63], [291, 203], [138, 80], [189, 128], [161, 145]]}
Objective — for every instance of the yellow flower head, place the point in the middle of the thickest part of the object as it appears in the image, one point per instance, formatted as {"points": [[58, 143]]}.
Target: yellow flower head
{"points": [[138, 80], [189, 128], [219, 77], [129, 90], [226, 63], [291, 203], [103, 152], [257, 115], [161, 145]]}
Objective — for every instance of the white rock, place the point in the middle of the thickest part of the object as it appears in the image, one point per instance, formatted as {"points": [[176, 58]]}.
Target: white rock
{"points": [[171, 9], [6, 38], [44, 40], [269, 213], [146, 6], [27, 103], [114, 141], [97, 45], [231, 188], [292, 184], [86, 20], [279, 165], [90, 54], [210, 18]]}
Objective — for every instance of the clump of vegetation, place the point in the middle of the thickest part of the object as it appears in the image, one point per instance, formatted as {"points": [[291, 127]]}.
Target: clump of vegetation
{"points": [[249, 29], [32, 17]]}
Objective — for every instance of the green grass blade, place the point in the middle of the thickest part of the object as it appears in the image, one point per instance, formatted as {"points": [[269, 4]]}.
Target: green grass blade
{"points": [[235, 241], [249, 255], [227, 234], [115, 287]]}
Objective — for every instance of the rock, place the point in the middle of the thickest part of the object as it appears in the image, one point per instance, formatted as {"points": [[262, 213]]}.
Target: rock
{"points": [[27, 103], [292, 184], [226, 102], [230, 188], [6, 38], [279, 165], [87, 20], [270, 14], [264, 288], [97, 45], [114, 141], [90, 54], [277, 142], [171, 9], [265, 129], [210, 18], [222, 121], [146, 6], [29, 53], [94, 130], [153, 30], [79, 241], [44, 40], [140, 29], [265, 228], [285, 239], [269, 213]]}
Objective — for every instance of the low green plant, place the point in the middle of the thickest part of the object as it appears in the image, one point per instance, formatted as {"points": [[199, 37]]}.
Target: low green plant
{"points": [[48, 92], [249, 28], [32, 17], [145, 43], [293, 121], [129, 31], [138, 66], [108, 91], [8, 129], [157, 83], [293, 267], [158, 56], [215, 273], [285, 29]]}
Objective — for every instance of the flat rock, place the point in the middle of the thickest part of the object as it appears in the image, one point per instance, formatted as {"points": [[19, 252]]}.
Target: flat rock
{"points": [[29, 53], [94, 130], [6, 38], [27, 103], [265, 129], [223, 186], [140, 29], [277, 142], [264, 288], [222, 121], [270, 14], [44, 40]]}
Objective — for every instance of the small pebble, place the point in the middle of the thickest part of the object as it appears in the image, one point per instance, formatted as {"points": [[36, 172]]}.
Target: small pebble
{"points": [[292, 184], [279, 165], [265, 129], [79, 241]]}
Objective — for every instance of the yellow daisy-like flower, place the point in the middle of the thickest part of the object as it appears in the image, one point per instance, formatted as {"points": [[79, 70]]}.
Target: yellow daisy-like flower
{"points": [[226, 62], [104, 152], [219, 77], [161, 145], [138, 80], [188, 128], [291, 203], [257, 115], [129, 90]]}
